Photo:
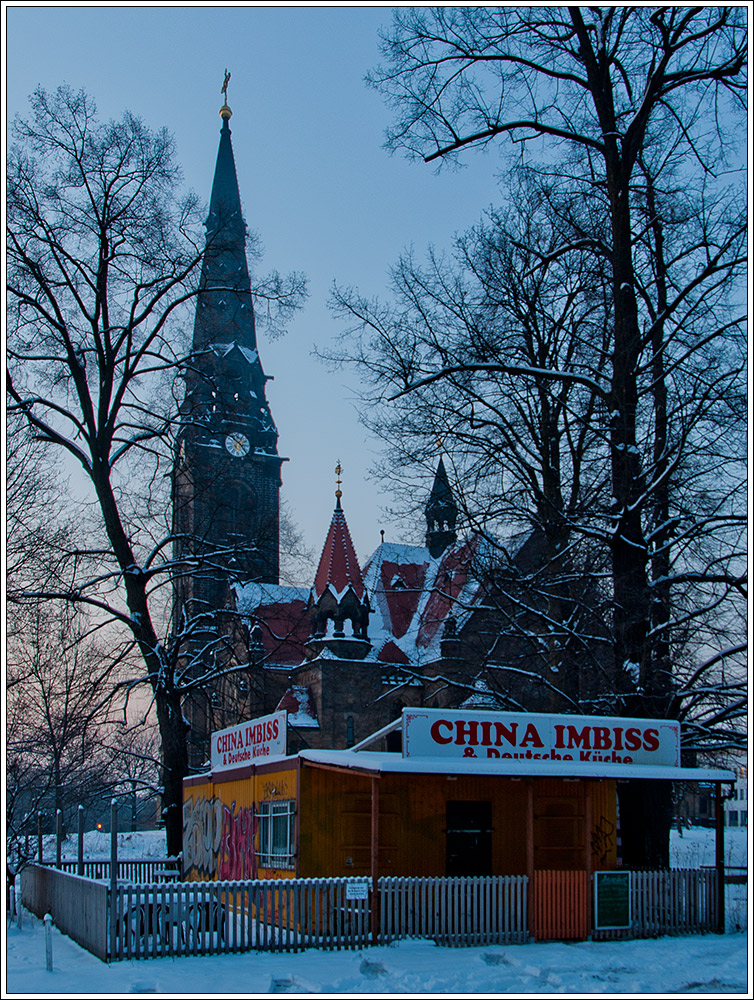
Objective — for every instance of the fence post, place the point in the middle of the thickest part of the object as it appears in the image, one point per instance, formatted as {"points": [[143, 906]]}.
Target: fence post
{"points": [[48, 942], [80, 865]]}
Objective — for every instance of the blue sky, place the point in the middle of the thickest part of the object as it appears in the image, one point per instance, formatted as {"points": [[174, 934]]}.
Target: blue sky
{"points": [[316, 184]]}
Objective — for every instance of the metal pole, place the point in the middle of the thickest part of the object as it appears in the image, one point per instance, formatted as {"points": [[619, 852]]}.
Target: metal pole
{"points": [[58, 837], [80, 865], [113, 843], [530, 855], [375, 845], [588, 850], [720, 856], [113, 870], [48, 941], [40, 849]]}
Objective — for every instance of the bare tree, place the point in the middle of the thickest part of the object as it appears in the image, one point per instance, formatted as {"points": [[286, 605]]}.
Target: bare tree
{"points": [[103, 262], [60, 701], [517, 343], [629, 115]]}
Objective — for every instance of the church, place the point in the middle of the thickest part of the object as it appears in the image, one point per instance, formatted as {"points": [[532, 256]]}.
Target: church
{"points": [[415, 625]]}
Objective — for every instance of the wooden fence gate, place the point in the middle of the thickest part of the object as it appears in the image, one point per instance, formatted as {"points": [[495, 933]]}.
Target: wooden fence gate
{"points": [[560, 906]]}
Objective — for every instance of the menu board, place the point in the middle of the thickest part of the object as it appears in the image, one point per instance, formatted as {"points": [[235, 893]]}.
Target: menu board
{"points": [[612, 900]]}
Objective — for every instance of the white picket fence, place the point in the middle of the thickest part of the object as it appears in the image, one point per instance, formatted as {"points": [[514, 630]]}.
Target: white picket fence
{"points": [[200, 918], [129, 869], [209, 918], [454, 911]]}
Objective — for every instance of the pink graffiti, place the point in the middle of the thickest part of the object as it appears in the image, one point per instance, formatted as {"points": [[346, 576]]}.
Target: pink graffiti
{"points": [[237, 859]]}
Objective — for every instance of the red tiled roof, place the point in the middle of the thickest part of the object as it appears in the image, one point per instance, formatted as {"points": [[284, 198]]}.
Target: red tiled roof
{"points": [[403, 584], [285, 629], [390, 653], [338, 565]]}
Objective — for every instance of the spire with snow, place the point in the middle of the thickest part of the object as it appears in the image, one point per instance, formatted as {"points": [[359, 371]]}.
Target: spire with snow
{"points": [[338, 594]]}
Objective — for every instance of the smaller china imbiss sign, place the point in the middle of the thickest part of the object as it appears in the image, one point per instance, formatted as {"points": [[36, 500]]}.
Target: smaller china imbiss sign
{"points": [[239, 745], [524, 737]]}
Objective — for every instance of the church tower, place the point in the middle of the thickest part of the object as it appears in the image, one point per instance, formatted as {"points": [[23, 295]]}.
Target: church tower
{"points": [[441, 513], [227, 472], [226, 479]]}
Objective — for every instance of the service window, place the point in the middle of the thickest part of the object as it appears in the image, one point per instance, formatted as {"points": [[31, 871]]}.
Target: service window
{"points": [[276, 834]]}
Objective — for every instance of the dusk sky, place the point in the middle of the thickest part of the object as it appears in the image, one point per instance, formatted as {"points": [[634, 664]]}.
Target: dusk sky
{"points": [[316, 184]]}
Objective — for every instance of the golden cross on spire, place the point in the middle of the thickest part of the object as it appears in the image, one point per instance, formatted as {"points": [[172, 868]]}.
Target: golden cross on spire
{"points": [[225, 111], [339, 481]]}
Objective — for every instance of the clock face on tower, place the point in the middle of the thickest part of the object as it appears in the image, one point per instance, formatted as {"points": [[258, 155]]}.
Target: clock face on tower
{"points": [[237, 444]]}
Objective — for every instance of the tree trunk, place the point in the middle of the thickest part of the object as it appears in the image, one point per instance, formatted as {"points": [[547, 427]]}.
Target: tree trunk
{"points": [[174, 766], [159, 672]]}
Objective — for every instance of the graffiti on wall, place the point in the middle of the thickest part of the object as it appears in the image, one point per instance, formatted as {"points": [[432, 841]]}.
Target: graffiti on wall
{"points": [[202, 833], [238, 859], [603, 841], [218, 841]]}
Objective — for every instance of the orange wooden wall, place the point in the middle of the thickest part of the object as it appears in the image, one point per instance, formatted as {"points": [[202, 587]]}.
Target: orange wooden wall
{"points": [[335, 823], [334, 814]]}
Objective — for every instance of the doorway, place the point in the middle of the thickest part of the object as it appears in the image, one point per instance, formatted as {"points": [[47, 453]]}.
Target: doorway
{"points": [[468, 838]]}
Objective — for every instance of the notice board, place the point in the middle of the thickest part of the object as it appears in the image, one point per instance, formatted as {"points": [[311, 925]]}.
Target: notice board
{"points": [[612, 900]]}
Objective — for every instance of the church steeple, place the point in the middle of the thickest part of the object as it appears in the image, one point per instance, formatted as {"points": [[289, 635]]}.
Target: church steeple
{"points": [[441, 513], [227, 477], [338, 594]]}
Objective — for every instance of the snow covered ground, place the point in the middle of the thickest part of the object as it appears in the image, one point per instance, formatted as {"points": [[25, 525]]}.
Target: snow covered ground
{"points": [[709, 965]]}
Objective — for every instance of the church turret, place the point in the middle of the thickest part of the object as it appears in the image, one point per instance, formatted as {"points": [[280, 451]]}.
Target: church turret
{"points": [[227, 471], [441, 513], [338, 594]]}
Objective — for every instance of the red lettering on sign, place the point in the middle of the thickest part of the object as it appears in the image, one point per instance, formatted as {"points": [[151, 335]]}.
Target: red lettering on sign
{"points": [[435, 731]]}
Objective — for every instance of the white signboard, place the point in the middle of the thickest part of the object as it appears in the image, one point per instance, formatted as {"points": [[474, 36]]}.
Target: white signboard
{"points": [[454, 733], [239, 745], [357, 890]]}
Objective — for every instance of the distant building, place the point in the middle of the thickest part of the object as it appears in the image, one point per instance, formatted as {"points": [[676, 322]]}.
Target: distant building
{"points": [[736, 808]]}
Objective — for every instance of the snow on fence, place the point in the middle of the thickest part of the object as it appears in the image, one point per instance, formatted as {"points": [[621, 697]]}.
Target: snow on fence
{"points": [[454, 911]]}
